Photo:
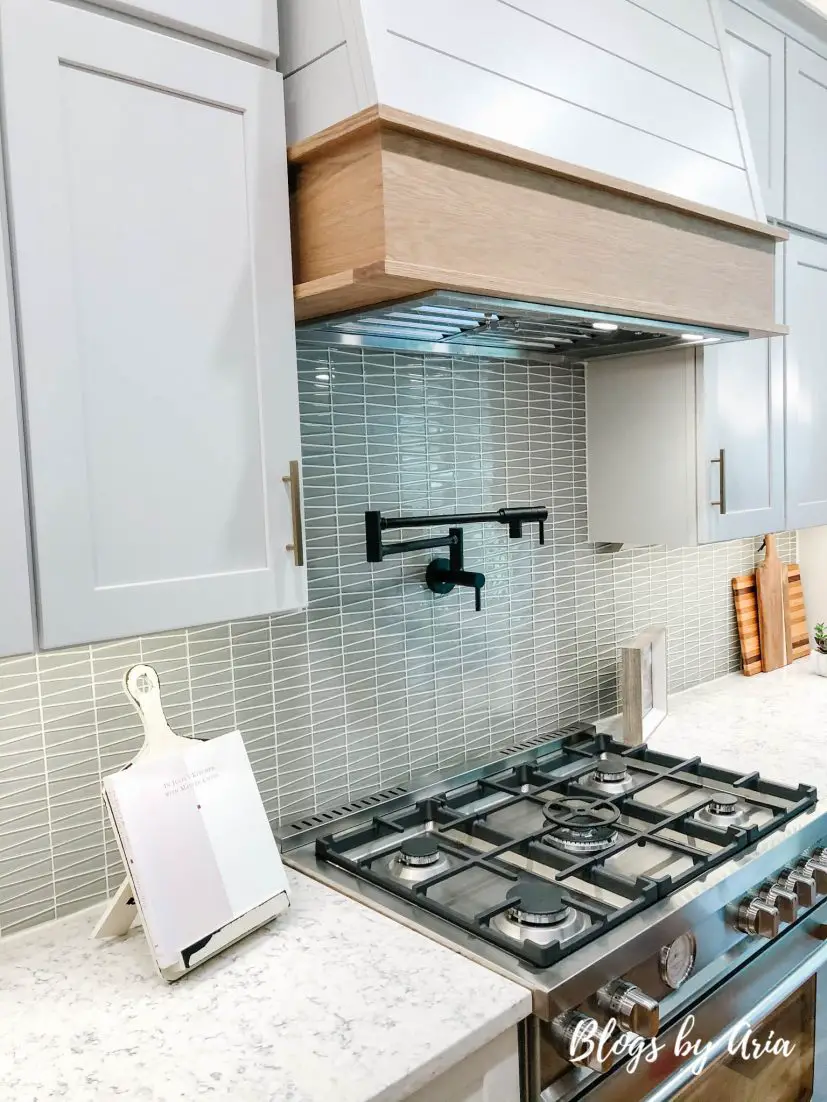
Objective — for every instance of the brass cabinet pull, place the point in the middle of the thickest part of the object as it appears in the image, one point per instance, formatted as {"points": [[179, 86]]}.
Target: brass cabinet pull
{"points": [[293, 480], [721, 502]]}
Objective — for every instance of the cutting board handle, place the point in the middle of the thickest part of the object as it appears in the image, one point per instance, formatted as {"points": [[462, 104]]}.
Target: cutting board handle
{"points": [[770, 548], [143, 687]]}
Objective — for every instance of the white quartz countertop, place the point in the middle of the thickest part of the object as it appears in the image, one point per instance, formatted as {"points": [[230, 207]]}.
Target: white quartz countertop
{"points": [[775, 723], [331, 1003]]}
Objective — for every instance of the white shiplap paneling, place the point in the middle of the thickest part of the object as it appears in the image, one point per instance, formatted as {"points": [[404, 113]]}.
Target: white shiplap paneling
{"points": [[320, 94], [308, 30], [633, 33], [499, 39], [692, 16]]}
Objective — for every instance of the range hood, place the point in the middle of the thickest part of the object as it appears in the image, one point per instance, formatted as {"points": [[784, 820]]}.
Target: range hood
{"points": [[409, 234], [472, 325]]}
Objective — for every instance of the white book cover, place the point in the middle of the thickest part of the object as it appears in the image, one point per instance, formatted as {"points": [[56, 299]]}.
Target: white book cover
{"points": [[195, 834]]}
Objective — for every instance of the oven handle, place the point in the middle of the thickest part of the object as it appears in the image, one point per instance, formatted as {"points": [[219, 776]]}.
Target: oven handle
{"points": [[717, 1047]]}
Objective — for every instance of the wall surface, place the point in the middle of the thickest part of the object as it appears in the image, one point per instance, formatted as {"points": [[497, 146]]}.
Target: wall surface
{"points": [[634, 88], [812, 551], [378, 677]]}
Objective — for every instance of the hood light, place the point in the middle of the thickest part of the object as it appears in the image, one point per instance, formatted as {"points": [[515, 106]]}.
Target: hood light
{"points": [[604, 326]]}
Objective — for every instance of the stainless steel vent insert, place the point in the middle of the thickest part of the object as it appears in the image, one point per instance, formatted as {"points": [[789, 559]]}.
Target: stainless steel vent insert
{"points": [[451, 323]]}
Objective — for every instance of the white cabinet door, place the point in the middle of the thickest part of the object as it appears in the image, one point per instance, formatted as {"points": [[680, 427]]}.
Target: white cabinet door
{"points": [[148, 194], [741, 419], [16, 634], [806, 346], [756, 56], [806, 147], [250, 24], [490, 1075]]}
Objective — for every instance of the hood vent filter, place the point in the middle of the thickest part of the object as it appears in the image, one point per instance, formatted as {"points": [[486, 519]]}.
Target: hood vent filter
{"points": [[452, 323]]}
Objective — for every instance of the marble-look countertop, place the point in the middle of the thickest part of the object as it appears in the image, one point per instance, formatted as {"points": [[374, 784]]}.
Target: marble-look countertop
{"points": [[330, 1003], [775, 723]]}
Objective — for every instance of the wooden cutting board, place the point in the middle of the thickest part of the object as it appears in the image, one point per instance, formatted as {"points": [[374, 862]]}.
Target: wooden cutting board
{"points": [[746, 616], [770, 576], [796, 615]]}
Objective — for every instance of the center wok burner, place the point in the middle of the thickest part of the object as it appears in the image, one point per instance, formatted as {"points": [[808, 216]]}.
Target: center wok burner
{"points": [[581, 826]]}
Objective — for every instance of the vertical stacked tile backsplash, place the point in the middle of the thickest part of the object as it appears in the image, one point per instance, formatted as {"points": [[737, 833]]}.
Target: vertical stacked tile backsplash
{"points": [[377, 677]]}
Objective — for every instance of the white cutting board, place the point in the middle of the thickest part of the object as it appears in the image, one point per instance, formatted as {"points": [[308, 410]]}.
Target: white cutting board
{"points": [[193, 833]]}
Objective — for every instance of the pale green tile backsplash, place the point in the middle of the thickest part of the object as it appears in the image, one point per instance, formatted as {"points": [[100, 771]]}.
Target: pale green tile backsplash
{"points": [[377, 678]]}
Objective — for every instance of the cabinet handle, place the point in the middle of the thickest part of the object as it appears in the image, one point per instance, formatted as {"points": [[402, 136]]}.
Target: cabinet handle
{"points": [[293, 480], [721, 461]]}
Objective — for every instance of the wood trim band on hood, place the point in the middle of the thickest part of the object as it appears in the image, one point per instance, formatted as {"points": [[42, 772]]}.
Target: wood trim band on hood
{"points": [[386, 205]]}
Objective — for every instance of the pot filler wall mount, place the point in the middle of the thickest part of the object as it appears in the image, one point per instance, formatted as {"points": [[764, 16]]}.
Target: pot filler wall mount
{"points": [[442, 575], [454, 323]]}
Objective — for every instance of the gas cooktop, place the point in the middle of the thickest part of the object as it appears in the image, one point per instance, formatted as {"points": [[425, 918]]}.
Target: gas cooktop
{"points": [[543, 856], [622, 885]]}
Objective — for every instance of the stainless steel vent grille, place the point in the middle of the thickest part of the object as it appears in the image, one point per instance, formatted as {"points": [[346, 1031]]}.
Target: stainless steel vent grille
{"points": [[471, 325], [333, 814]]}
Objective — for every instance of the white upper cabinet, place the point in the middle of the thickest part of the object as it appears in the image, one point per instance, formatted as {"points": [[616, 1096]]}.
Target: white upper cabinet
{"points": [[248, 24], [756, 53], [658, 428], [16, 633], [148, 195], [806, 298], [806, 147], [741, 440]]}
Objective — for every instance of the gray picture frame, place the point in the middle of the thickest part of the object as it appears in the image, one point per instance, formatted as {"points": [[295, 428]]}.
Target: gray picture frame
{"points": [[643, 684]]}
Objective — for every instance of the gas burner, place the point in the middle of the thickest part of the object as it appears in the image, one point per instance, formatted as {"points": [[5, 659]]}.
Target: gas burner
{"points": [[418, 858], [724, 809], [611, 775], [536, 904], [539, 914], [581, 826], [420, 851]]}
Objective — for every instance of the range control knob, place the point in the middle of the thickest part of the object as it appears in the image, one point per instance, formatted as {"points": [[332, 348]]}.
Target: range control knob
{"points": [[795, 880], [633, 1008], [757, 917], [579, 1046], [784, 901], [816, 866]]}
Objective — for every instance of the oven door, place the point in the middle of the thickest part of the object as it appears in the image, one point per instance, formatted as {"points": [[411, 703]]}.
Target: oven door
{"points": [[762, 1033]]}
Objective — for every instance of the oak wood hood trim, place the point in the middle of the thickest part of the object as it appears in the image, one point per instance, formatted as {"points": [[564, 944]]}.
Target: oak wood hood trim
{"points": [[387, 206], [390, 118]]}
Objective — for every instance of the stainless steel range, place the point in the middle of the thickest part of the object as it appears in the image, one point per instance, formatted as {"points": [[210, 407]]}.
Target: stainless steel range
{"points": [[628, 889]]}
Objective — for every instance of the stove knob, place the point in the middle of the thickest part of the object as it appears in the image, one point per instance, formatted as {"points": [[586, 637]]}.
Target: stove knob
{"points": [[758, 918], [795, 880], [580, 1046], [633, 1008], [784, 901], [816, 866]]}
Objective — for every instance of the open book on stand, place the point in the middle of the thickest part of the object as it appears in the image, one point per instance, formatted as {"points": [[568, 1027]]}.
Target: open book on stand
{"points": [[203, 867]]}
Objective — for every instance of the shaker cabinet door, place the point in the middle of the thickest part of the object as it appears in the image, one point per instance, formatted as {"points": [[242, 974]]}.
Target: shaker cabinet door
{"points": [[756, 56], [148, 195], [806, 315], [806, 148], [741, 440], [250, 24], [16, 634]]}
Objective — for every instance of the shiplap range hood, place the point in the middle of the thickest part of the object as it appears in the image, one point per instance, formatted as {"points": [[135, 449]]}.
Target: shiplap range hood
{"points": [[416, 225]]}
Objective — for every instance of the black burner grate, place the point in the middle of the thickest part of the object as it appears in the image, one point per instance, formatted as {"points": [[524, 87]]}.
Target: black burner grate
{"points": [[464, 822]]}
